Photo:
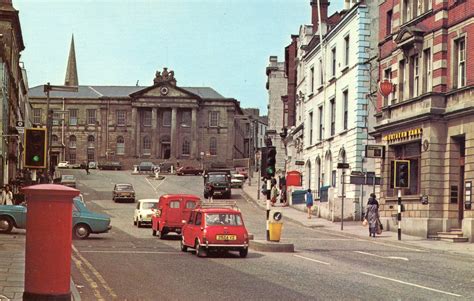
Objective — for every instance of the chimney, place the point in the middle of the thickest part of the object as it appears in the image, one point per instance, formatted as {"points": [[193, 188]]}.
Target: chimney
{"points": [[314, 12]]}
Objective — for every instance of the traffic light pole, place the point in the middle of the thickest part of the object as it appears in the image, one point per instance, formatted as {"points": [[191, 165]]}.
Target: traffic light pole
{"points": [[49, 123], [399, 215], [269, 187]]}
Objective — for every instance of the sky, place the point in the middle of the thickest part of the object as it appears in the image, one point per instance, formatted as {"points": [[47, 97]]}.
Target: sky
{"points": [[222, 44]]}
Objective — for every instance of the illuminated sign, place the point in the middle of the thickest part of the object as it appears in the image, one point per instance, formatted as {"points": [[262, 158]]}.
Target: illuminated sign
{"points": [[405, 135]]}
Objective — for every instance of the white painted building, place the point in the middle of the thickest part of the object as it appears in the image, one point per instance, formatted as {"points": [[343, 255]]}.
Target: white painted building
{"points": [[334, 107]]}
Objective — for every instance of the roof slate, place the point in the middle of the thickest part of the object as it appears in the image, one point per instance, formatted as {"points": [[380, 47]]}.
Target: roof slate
{"points": [[117, 91]]}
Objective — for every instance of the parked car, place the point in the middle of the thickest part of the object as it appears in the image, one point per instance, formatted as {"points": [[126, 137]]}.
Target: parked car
{"points": [[146, 166], [188, 170], [220, 180], [76, 166], [166, 166], [243, 171], [110, 165], [68, 180], [236, 182], [92, 165], [84, 221], [122, 192], [144, 211], [172, 210], [215, 229], [63, 164]]}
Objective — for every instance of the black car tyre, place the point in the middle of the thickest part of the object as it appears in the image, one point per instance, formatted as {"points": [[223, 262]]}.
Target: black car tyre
{"points": [[199, 250], [139, 224], [81, 231], [243, 253], [134, 222], [6, 224], [184, 248]]}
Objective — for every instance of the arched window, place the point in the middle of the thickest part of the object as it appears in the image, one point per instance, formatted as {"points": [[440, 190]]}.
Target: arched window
{"points": [[186, 149], [213, 146], [54, 138], [72, 141], [120, 145], [90, 141], [146, 145], [308, 172]]}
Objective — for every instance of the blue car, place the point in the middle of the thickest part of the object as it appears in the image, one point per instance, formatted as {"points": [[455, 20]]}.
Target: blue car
{"points": [[84, 221]]}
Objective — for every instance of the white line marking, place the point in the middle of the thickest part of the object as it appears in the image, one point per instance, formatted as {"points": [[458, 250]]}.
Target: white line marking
{"points": [[400, 247], [155, 188], [379, 256], [411, 284], [310, 259], [132, 252]]}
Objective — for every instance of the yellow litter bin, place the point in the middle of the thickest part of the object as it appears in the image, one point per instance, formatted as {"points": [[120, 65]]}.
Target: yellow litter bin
{"points": [[275, 230]]}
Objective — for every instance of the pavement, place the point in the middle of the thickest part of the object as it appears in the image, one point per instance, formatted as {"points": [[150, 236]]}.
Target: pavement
{"points": [[298, 215], [12, 267]]}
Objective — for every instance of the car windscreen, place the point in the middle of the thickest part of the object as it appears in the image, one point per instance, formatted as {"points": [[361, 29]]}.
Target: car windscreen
{"points": [[149, 205], [124, 187], [217, 178], [68, 177], [230, 219]]}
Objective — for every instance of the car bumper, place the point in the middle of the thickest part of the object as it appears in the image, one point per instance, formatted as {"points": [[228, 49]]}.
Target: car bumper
{"points": [[103, 231], [229, 247]]}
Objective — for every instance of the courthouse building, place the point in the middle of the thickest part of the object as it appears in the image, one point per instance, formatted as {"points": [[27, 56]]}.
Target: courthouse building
{"points": [[428, 119], [130, 124]]}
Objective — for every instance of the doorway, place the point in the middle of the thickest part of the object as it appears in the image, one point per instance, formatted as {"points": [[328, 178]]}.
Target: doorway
{"points": [[165, 150], [462, 155]]}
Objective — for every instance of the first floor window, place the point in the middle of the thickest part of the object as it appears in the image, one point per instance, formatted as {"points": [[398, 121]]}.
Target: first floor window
{"points": [[186, 147], [213, 146], [73, 116], [213, 118], [167, 118], [146, 145], [121, 118], [91, 118], [412, 153], [120, 145], [37, 116], [146, 115]]}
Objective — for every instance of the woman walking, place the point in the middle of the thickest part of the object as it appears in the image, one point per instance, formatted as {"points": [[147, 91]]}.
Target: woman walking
{"points": [[308, 197], [372, 214]]}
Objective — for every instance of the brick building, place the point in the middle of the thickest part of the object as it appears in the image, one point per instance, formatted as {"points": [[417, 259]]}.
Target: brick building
{"points": [[428, 118], [161, 122]]}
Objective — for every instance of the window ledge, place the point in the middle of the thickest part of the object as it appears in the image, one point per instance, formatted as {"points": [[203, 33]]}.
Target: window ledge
{"points": [[332, 79], [345, 68]]}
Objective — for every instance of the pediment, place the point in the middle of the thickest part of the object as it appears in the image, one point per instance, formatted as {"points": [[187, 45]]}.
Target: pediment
{"points": [[164, 90], [408, 36]]}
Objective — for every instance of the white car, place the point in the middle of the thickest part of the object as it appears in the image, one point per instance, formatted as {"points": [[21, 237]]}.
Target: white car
{"points": [[144, 211], [63, 164]]}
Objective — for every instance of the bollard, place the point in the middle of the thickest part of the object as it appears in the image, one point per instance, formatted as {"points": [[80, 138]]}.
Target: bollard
{"points": [[48, 242], [399, 215]]}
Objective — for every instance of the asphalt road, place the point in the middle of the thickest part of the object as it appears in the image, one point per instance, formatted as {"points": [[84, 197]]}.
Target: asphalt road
{"points": [[130, 264]]}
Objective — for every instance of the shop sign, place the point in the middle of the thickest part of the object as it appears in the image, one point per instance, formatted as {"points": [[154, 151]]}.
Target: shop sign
{"points": [[404, 135]]}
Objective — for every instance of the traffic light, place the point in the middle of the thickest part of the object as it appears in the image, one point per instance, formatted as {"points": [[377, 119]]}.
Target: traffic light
{"points": [[263, 162], [271, 161], [35, 148], [401, 173]]}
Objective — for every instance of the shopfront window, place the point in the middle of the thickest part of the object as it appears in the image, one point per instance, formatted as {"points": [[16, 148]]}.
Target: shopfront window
{"points": [[411, 152]]}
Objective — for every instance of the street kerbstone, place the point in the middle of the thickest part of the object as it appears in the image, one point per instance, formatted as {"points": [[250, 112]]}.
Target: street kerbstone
{"points": [[269, 246], [14, 289]]}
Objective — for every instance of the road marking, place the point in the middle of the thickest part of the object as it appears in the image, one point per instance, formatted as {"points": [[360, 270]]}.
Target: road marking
{"points": [[96, 273], [411, 284], [88, 278], [132, 252], [155, 188], [310, 259], [379, 256], [400, 247]]}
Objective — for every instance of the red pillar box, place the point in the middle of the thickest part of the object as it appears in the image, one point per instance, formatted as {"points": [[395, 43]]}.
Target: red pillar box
{"points": [[48, 242]]}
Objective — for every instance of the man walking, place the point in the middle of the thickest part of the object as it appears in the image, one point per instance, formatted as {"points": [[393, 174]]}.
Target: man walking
{"points": [[87, 168]]}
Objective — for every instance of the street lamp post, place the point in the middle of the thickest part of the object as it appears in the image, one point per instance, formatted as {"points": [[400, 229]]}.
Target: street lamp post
{"points": [[49, 122]]}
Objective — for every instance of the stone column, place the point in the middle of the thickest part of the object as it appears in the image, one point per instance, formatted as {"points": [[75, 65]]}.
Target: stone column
{"points": [[134, 131], [155, 139], [174, 137], [194, 133]]}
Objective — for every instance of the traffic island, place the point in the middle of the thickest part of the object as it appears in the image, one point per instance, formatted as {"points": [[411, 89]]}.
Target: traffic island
{"points": [[270, 246]]}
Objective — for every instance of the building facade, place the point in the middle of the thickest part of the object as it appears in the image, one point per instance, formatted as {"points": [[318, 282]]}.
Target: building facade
{"points": [[428, 119], [277, 116], [130, 124], [13, 94]]}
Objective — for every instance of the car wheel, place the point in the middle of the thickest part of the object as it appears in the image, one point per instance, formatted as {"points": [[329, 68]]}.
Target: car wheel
{"points": [[134, 222], [139, 224], [161, 234], [81, 231], [6, 224], [243, 253], [199, 250], [184, 248]]}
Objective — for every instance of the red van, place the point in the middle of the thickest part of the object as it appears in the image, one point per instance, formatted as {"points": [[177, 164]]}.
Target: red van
{"points": [[171, 211], [219, 229]]}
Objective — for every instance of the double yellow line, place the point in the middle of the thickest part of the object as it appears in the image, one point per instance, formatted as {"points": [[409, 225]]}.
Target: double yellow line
{"points": [[88, 271]]}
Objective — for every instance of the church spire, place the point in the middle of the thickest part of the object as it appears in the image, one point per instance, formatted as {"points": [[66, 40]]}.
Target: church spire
{"points": [[71, 71]]}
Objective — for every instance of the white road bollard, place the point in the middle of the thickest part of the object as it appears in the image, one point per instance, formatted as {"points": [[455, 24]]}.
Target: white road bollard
{"points": [[135, 168]]}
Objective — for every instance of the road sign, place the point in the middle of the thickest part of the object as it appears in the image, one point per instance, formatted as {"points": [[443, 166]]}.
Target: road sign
{"points": [[374, 151], [342, 165], [277, 216], [20, 127]]}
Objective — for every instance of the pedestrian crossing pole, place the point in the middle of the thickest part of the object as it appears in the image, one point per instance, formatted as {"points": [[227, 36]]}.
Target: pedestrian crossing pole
{"points": [[399, 215], [269, 187]]}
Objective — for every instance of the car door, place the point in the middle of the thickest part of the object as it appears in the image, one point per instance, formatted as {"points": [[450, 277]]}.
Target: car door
{"points": [[76, 214], [189, 205], [188, 230], [173, 217], [197, 232], [137, 211]]}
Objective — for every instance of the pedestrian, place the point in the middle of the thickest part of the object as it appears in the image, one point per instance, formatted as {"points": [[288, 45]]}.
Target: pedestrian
{"points": [[273, 194], [87, 168], [7, 196], [372, 214], [308, 197], [210, 192]]}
